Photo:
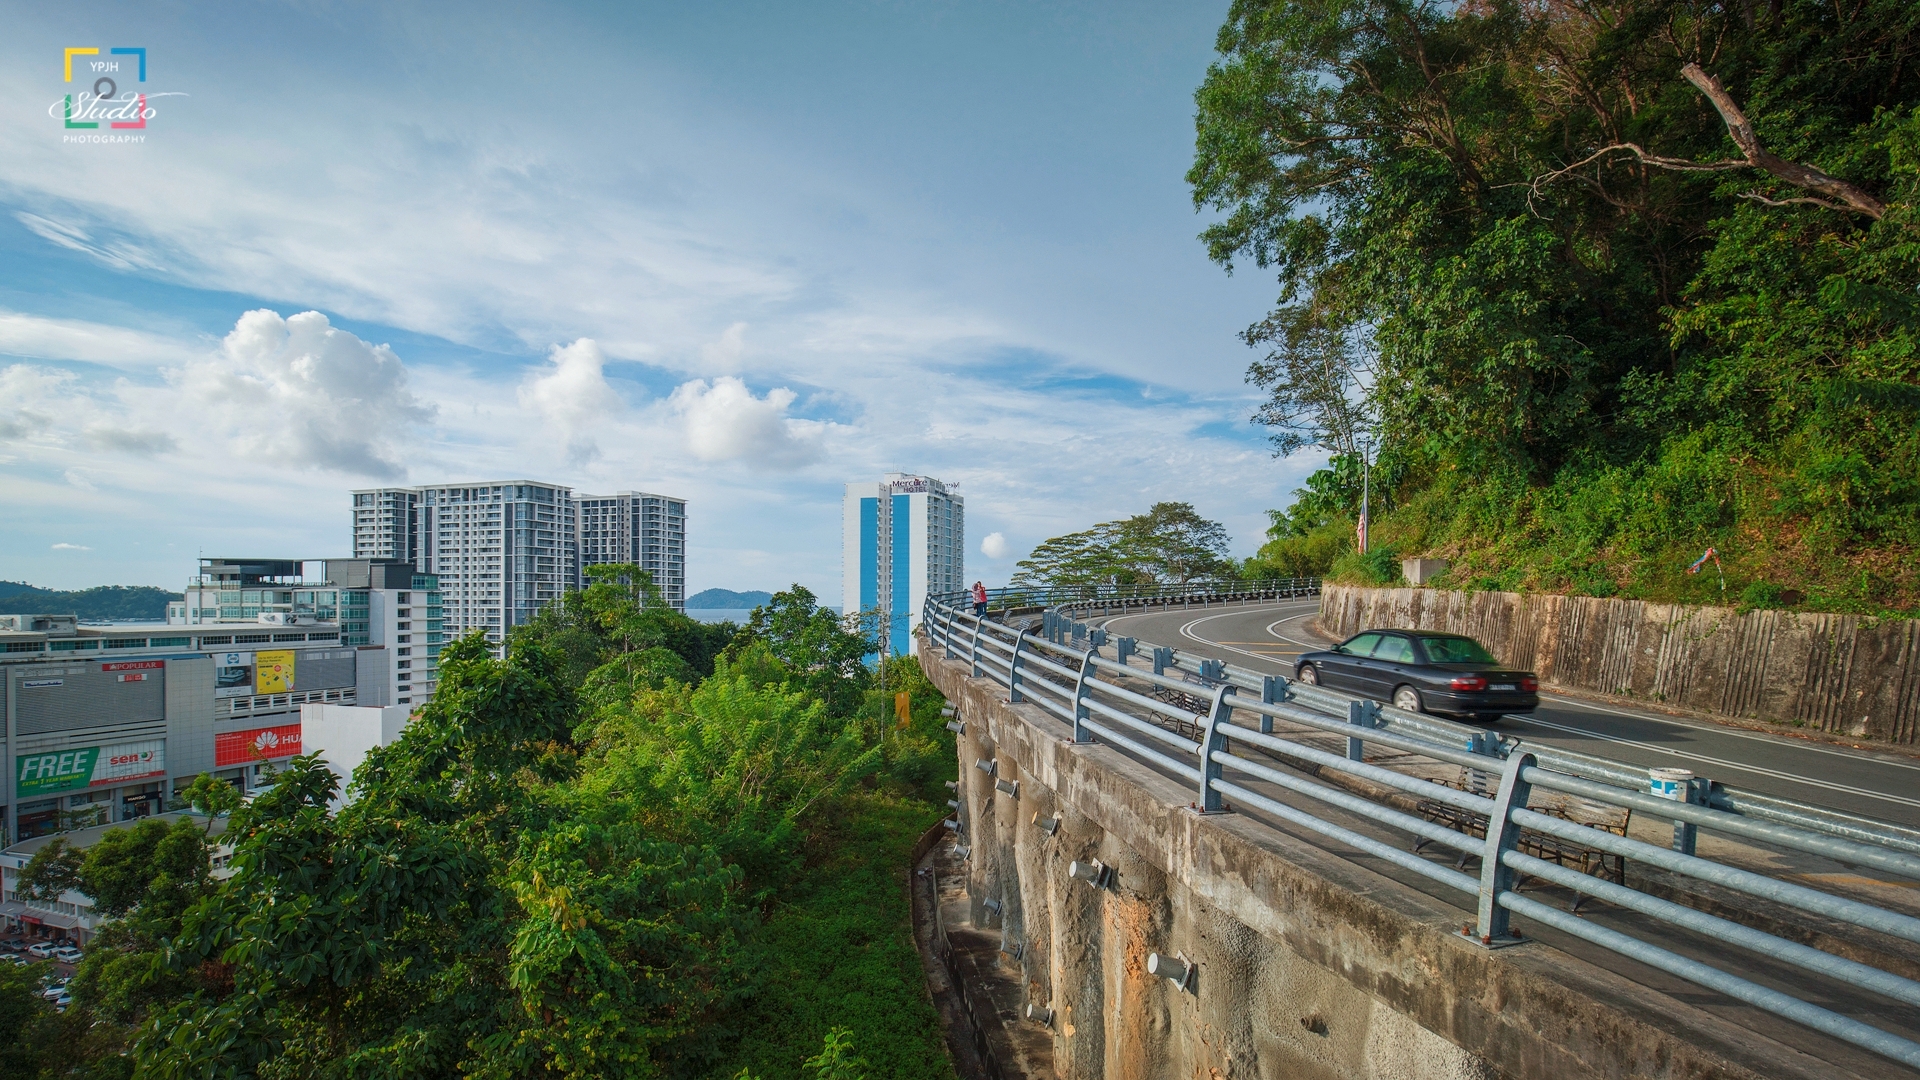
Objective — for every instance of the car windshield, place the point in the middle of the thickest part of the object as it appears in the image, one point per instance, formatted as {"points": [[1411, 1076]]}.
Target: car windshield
{"points": [[1456, 650]]}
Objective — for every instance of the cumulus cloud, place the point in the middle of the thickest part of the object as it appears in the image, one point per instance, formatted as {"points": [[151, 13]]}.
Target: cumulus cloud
{"points": [[299, 391], [725, 422], [994, 545], [572, 393], [71, 547]]}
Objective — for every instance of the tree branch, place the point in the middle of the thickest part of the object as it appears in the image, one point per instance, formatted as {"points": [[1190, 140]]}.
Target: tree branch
{"points": [[1801, 176]]}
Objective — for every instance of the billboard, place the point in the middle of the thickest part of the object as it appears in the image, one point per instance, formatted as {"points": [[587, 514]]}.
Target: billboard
{"points": [[273, 671], [88, 766], [257, 744], [232, 674]]}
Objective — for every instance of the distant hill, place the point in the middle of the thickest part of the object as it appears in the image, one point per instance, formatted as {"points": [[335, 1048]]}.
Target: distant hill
{"points": [[727, 598], [99, 602]]}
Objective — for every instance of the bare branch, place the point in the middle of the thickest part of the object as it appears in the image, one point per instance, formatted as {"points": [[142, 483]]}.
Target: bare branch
{"points": [[1801, 176], [1764, 201]]}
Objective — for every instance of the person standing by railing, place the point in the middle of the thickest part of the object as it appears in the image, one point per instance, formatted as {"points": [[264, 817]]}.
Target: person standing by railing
{"points": [[979, 601]]}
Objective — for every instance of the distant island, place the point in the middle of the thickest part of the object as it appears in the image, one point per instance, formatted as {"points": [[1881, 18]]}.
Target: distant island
{"points": [[727, 600], [99, 602]]}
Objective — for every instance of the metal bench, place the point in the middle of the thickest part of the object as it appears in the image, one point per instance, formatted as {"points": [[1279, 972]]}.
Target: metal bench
{"points": [[1587, 860]]}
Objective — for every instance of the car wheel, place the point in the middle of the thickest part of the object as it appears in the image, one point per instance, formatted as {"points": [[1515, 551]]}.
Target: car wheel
{"points": [[1407, 698], [1309, 676]]}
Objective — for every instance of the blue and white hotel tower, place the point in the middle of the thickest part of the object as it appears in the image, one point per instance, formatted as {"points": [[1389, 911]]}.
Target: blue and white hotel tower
{"points": [[903, 538]]}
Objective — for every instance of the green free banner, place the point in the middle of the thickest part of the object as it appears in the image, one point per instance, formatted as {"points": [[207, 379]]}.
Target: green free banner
{"points": [[44, 774]]}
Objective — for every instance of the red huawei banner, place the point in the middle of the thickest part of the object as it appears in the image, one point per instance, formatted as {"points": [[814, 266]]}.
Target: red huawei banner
{"points": [[259, 744], [135, 665]]}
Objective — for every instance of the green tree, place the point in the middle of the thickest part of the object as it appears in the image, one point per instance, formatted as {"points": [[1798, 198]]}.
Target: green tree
{"points": [[1611, 282], [1170, 543]]}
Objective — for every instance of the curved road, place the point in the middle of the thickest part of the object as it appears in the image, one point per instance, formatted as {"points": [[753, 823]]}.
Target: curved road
{"points": [[1883, 786]]}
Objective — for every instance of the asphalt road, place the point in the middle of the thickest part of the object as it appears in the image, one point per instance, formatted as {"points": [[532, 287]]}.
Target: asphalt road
{"points": [[1881, 786]]}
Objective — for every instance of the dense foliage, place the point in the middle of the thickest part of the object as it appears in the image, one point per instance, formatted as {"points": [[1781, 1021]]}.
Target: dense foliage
{"points": [[606, 855], [1169, 544], [1601, 283]]}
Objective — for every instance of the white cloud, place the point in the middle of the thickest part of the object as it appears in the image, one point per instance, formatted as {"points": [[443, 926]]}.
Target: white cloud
{"points": [[725, 422], [71, 547], [298, 391], [994, 545], [572, 393], [131, 440], [117, 254], [70, 339], [727, 353]]}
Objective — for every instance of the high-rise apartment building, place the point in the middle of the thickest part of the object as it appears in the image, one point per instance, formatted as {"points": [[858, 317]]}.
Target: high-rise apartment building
{"points": [[502, 550], [901, 539], [637, 527], [499, 549], [386, 525]]}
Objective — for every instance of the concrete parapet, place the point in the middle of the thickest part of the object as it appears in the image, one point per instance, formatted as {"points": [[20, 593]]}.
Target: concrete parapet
{"points": [[1845, 674], [1308, 965]]}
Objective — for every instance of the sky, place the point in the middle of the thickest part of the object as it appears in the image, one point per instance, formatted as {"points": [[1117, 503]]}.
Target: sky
{"points": [[743, 254]]}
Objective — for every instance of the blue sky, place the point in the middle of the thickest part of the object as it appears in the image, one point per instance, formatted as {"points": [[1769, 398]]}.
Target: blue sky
{"points": [[741, 253]]}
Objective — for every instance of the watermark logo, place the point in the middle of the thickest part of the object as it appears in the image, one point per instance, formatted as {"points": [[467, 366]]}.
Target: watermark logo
{"points": [[106, 113]]}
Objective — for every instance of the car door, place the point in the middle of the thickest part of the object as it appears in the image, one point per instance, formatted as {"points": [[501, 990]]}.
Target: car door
{"points": [[1387, 667], [1340, 670]]}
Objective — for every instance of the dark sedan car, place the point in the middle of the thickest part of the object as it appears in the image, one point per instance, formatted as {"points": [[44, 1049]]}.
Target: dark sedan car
{"points": [[1422, 671]]}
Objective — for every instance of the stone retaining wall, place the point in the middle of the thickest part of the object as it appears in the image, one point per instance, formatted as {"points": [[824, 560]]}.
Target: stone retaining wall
{"points": [[1847, 674]]}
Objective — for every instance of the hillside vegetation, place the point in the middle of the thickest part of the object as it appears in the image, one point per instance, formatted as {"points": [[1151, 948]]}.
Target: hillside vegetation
{"points": [[99, 602], [638, 846], [1597, 286]]}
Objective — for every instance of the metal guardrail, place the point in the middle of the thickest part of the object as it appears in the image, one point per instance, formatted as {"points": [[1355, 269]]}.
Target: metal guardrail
{"points": [[1062, 671]]}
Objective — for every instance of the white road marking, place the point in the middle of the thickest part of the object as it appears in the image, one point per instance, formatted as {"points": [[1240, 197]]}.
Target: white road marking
{"points": [[1722, 762], [1187, 631]]}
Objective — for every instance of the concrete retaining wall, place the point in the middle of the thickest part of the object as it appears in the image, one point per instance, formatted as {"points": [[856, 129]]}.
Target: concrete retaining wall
{"points": [[1310, 966], [1841, 673]]}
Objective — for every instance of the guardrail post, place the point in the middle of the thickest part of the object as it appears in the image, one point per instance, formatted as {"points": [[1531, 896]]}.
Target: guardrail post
{"points": [[1361, 714], [1096, 637], [1079, 631], [1686, 835], [946, 634], [1496, 876], [1162, 656], [1273, 691], [1013, 670], [1213, 669], [1214, 741], [1122, 649], [1080, 732], [973, 647]]}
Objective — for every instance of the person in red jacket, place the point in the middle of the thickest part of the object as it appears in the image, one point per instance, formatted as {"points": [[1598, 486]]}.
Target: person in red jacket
{"points": [[979, 600]]}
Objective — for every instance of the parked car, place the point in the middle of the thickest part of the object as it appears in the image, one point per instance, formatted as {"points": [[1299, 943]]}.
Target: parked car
{"points": [[13, 945], [1423, 671], [16, 961], [54, 989], [67, 954], [43, 950], [60, 1003]]}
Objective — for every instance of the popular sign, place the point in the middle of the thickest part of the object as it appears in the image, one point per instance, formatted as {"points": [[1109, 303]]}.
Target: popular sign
{"points": [[258, 744], [88, 766]]}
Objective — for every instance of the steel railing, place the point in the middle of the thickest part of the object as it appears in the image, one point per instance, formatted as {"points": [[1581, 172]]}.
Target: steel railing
{"points": [[1062, 671]]}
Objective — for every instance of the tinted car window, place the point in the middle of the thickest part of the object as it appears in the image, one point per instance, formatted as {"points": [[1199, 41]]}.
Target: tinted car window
{"points": [[1456, 650], [1361, 645], [1398, 649]]}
